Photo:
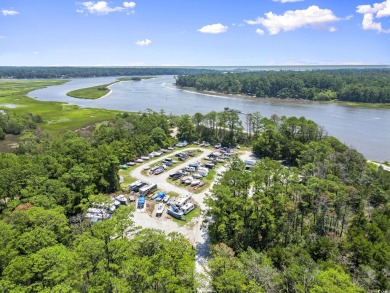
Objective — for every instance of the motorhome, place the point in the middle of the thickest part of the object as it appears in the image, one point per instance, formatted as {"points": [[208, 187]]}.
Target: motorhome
{"points": [[182, 200], [145, 190], [188, 207], [134, 184]]}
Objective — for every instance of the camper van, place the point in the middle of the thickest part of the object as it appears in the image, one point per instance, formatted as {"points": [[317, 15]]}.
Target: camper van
{"points": [[183, 199], [188, 207]]}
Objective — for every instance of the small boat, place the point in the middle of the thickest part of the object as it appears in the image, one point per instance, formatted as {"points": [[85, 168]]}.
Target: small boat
{"points": [[197, 176], [175, 212], [189, 180], [160, 209], [171, 200], [141, 202], [195, 182]]}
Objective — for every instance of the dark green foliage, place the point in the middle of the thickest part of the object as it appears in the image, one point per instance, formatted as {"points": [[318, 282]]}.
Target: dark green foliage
{"points": [[321, 226], [366, 86], [47, 246], [71, 72], [214, 127], [16, 124]]}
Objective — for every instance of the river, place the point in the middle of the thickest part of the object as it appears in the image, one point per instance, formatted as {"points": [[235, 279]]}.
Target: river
{"points": [[367, 130]]}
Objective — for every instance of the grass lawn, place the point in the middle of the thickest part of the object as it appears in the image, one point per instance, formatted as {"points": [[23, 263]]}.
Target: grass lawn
{"points": [[127, 179], [207, 180], [195, 213], [91, 93]]}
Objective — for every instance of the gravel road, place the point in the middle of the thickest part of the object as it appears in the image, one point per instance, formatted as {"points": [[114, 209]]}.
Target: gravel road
{"points": [[193, 231]]}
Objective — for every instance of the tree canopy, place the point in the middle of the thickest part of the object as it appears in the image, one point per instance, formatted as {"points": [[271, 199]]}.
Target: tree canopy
{"points": [[365, 85]]}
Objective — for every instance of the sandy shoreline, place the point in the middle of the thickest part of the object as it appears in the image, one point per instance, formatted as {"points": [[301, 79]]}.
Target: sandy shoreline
{"points": [[109, 87], [243, 97]]}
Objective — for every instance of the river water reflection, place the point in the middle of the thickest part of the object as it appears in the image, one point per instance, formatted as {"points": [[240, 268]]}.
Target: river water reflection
{"points": [[367, 130]]}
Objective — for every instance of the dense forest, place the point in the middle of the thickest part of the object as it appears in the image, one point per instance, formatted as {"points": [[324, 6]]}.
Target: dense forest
{"points": [[365, 85], [16, 124], [71, 72], [45, 187], [310, 216]]}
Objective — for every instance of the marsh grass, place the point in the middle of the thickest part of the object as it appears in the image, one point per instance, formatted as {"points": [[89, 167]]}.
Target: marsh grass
{"points": [[92, 93]]}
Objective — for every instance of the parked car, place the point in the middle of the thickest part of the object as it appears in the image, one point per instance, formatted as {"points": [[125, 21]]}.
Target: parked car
{"points": [[158, 171], [176, 176], [209, 165]]}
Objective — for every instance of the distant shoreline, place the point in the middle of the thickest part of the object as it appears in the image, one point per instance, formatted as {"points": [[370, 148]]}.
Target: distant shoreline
{"points": [[298, 101]]}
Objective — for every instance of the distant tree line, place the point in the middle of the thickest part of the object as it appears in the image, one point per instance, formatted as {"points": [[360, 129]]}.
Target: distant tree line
{"points": [[357, 85], [71, 72]]}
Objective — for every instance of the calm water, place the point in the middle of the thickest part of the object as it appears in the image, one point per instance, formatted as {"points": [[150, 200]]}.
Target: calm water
{"points": [[367, 130]]}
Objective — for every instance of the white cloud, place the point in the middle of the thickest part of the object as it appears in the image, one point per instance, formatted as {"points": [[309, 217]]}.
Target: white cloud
{"points": [[286, 1], [35, 53], [380, 10], [215, 28], [313, 16], [103, 8], [260, 32], [143, 43], [129, 4], [3, 37], [6, 12]]}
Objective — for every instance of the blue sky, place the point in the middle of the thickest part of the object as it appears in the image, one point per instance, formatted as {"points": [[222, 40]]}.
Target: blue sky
{"points": [[194, 32]]}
